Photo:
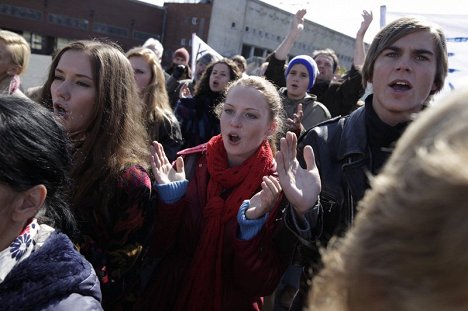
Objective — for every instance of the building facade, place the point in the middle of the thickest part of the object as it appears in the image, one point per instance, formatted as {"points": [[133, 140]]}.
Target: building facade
{"points": [[249, 27]]}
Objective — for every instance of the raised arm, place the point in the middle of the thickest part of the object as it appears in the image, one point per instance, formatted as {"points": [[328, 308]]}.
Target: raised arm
{"points": [[359, 49], [297, 26]]}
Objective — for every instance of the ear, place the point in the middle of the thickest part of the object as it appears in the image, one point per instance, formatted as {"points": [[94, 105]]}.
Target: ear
{"points": [[14, 70], [433, 88], [29, 204], [272, 128]]}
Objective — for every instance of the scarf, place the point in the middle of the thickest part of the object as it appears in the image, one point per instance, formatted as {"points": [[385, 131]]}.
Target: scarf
{"points": [[30, 240], [204, 289]]}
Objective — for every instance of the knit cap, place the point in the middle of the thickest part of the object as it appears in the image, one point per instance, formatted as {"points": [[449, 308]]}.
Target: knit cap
{"points": [[309, 63], [182, 52]]}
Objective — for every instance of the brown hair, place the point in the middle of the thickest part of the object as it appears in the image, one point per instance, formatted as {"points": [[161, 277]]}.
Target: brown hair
{"points": [[116, 137], [203, 86], [398, 29]]}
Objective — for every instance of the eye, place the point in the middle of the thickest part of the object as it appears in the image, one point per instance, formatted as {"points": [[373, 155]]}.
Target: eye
{"points": [[228, 111], [83, 84], [422, 57], [251, 116], [58, 77], [391, 54]]}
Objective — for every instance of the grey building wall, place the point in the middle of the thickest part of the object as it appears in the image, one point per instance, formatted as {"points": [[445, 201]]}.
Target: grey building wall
{"points": [[256, 28]]}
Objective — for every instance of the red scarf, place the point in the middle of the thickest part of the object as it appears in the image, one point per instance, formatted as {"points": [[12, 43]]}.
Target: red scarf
{"points": [[204, 288]]}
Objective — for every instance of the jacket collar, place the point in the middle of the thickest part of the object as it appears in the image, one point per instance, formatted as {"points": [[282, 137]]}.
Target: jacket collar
{"points": [[354, 136]]}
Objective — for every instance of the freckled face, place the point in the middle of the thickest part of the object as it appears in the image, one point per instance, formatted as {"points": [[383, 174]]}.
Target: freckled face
{"points": [[73, 91], [245, 123]]}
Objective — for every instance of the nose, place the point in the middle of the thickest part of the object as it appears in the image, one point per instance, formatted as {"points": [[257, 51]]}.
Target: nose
{"points": [[236, 120], [61, 90], [403, 64]]}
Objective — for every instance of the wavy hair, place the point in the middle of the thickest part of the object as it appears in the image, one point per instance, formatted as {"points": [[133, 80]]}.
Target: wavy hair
{"points": [[203, 86], [116, 137]]}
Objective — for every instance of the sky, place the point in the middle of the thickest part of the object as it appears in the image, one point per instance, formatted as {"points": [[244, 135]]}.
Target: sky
{"points": [[345, 15]]}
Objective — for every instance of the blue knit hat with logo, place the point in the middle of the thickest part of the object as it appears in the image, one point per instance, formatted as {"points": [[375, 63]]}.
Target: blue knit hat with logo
{"points": [[309, 63]]}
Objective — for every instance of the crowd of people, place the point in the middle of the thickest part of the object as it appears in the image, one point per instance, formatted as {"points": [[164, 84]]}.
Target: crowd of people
{"points": [[127, 186]]}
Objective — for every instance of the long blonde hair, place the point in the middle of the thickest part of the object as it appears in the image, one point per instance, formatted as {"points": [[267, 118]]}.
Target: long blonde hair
{"points": [[156, 105]]}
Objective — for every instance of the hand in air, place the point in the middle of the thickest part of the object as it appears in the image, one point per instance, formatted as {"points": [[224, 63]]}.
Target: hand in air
{"points": [[367, 20], [185, 91], [163, 170], [301, 186], [298, 20], [294, 124], [264, 200]]}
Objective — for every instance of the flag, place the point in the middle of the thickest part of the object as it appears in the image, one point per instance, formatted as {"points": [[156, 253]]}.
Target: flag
{"points": [[200, 48], [456, 31]]}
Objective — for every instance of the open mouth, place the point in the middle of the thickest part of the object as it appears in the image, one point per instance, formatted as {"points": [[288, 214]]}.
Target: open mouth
{"points": [[59, 110], [400, 85], [233, 138]]}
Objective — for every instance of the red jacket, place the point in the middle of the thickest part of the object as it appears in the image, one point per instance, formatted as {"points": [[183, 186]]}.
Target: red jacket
{"points": [[251, 269]]}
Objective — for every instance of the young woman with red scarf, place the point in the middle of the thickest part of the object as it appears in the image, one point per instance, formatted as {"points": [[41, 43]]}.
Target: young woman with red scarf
{"points": [[215, 255]]}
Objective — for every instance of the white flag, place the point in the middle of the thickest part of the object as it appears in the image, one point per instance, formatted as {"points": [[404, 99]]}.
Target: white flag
{"points": [[200, 48]]}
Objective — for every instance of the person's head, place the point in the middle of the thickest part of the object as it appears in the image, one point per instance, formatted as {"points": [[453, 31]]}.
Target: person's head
{"points": [[149, 77], [155, 46], [300, 76], [327, 63], [202, 63], [240, 61], [181, 57], [92, 91], [217, 75], [406, 64], [407, 248], [251, 113], [14, 54], [34, 165]]}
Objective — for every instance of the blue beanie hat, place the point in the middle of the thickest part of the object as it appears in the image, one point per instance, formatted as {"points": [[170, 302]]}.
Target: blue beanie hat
{"points": [[309, 63]]}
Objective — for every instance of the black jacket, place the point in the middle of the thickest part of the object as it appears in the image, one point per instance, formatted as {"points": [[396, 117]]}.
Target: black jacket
{"points": [[345, 154]]}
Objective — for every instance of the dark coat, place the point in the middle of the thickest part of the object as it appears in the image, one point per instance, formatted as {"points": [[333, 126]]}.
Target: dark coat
{"points": [[346, 154], [54, 277]]}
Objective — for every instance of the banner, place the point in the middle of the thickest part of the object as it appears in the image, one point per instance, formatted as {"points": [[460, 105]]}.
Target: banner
{"points": [[456, 31], [200, 48]]}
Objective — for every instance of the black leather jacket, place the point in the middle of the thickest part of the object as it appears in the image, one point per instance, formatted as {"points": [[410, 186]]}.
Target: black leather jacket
{"points": [[342, 157]]}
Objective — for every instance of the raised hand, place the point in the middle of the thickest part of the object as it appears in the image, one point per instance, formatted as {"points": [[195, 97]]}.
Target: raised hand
{"points": [[367, 20], [298, 20], [163, 170], [264, 200], [301, 186], [295, 124], [185, 91]]}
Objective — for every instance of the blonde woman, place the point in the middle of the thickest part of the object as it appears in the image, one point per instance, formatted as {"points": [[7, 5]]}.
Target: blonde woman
{"points": [[159, 118]]}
